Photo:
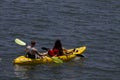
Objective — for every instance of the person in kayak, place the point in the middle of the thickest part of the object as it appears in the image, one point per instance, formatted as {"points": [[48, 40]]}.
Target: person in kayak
{"points": [[31, 51], [57, 49]]}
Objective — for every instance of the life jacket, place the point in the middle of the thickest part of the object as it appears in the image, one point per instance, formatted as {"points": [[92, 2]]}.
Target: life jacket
{"points": [[31, 49], [30, 52], [53, 52]]}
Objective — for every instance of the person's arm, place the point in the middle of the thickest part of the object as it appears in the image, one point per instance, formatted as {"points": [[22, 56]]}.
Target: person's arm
{"points": [[64, 51], [36, 52]]}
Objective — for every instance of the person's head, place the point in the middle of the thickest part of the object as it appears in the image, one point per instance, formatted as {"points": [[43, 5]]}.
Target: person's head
{"points": [[33, 43], [58, 44]]}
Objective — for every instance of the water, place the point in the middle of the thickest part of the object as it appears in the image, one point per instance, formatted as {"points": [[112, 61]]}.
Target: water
{"points": [[94, 23]]}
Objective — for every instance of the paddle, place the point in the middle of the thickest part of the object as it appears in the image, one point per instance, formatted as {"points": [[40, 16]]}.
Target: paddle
{"points": [[22, 43]]}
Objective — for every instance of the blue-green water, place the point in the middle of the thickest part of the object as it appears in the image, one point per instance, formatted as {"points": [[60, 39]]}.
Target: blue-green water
{"points": [[94, 23]]}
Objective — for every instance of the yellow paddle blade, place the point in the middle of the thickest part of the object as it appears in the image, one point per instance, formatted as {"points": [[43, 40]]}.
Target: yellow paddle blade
{"points": [[57, 60], [20, 42]]}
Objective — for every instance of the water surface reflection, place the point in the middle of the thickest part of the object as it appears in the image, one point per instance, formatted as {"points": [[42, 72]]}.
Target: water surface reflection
{"points": [[23, 71]]}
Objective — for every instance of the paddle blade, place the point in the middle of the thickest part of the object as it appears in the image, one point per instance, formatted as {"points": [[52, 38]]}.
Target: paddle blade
{"points": [[57, 60], [20, 42]]}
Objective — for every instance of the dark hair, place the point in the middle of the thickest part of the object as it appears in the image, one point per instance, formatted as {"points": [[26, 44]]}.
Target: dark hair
{"points": [[33, 42], [58, 46]]}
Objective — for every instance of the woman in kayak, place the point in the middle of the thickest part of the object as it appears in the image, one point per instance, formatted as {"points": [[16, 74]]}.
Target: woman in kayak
{"points": [[31, 51], [57, 49]]}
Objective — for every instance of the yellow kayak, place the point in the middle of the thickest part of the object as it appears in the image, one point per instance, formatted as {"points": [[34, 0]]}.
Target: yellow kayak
{"points": [[72, 54]]}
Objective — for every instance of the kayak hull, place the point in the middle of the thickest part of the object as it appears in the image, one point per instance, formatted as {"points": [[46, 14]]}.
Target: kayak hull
{"points": [[72, 54]]}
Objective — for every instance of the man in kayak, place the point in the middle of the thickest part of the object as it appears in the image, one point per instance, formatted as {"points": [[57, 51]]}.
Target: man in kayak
{"points": [[57, 49], [31, 51]]}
